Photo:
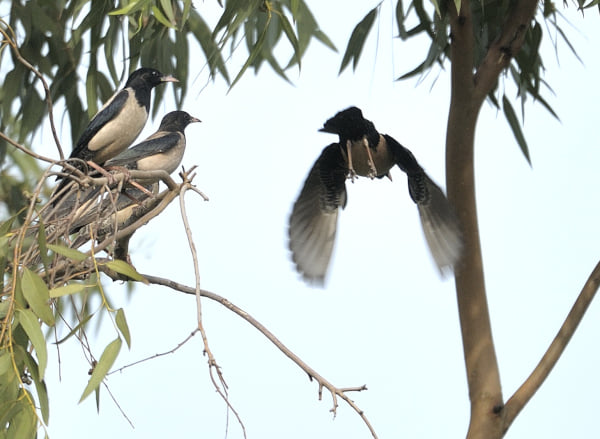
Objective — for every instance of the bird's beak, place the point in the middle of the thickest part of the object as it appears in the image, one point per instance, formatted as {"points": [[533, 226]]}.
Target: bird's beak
{"points": [[195, 119], [169, 78], [327, 130]]}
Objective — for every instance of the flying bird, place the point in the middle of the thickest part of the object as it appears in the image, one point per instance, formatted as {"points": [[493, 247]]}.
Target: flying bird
{"points": [[121, 119], [363, 151], [163, 150]]}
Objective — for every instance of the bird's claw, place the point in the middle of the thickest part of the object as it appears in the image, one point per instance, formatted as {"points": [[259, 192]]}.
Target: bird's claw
{"points": [[372, 169]]}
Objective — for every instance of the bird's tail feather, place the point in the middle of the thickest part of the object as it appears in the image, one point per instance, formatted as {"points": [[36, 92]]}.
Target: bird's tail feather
{"points": [[441, 227]]}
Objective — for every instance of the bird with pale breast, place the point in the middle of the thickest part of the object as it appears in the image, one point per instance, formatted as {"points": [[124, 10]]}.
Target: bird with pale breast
{"points": [[363, 151], [121, 119], [107, 211]]}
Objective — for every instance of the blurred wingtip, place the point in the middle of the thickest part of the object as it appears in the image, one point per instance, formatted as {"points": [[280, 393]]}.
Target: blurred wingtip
{"points": [[442, 230]]}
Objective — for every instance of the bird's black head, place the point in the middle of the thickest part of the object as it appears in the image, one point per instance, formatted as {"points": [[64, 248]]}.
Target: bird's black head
{"points": [[176, 121], [147, 77], [349, 124]]}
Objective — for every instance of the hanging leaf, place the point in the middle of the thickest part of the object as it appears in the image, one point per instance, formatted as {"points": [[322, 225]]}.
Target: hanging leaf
{"points": [[35, 292], [515, 126], [123, 327], [70, 253], [358, 38], [75, 329], [124, 268], [40, 386], [30, 324], [5, 362], [66, 290], [106, 361]]}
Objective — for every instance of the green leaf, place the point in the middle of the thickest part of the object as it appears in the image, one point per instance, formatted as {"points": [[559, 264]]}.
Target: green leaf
{"points": [[23, 423], [161, 18], [291, 36], [35, 292], [70, 253], [30, 324], [40, 386], [90, 90], [97, 394], [124, 268], [131, 7], [253, 53], [123, 327], [358, 38], [457, 3], [75, 329], [42, 391], [7, 225], [106, 361], [511, 117], [4, 306], [71, 288], [167, 6], [5, 362]]}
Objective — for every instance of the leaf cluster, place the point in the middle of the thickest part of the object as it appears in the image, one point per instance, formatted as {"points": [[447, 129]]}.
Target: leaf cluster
{"points": [[430, 20], [50, 286]]}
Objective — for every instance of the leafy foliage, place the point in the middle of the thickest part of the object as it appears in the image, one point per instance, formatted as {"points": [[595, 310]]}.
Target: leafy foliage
{"points": [[421, 19], [61, 37], [51, 41]]}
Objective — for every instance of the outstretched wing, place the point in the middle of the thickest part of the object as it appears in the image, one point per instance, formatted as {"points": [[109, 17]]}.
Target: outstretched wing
{"points": [[439, 221], [313, 221]]}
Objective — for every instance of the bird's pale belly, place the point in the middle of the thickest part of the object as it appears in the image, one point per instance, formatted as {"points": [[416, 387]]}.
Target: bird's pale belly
{"points": [[380, 157], [104, 142]]}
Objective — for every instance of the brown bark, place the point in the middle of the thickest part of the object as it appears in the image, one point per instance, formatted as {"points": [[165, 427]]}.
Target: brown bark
{"points": [[468, 93]]}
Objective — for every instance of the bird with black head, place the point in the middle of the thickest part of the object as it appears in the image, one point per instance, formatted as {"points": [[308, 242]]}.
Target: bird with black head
{"points": [[363, 151]]}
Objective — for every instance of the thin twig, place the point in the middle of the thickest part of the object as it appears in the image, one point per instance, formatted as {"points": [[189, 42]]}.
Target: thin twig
{"points": [[11, 41], [312, 374], [524, 393], [152, 357], [212, 362], [118, 405]]}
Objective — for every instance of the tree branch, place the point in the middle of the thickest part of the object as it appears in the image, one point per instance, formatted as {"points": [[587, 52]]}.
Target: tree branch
{"points": [[483, 376], [507, 44], [522, 396], [312, 374]]}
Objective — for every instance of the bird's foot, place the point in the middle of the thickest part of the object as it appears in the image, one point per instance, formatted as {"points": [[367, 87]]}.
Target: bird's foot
{"points": [[351, 172], [372, 169], [111, 181]]}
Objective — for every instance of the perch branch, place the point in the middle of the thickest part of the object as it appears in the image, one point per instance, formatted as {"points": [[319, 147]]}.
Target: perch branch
{"points": [[312, 374]]}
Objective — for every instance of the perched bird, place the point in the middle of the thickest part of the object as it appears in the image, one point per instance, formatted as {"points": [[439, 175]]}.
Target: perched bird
{"points": [[163, 150], [363, 151], [121, 119], [102, 211]]}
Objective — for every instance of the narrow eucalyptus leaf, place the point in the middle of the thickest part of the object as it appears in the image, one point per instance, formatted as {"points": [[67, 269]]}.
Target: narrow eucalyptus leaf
{"points": [[511, 117], [30, 324], [358, 38], [104, 364], [36, 293], [123, 327]]}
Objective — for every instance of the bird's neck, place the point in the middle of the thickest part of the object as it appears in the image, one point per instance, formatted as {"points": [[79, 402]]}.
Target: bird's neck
{"points": [[142, 95]]}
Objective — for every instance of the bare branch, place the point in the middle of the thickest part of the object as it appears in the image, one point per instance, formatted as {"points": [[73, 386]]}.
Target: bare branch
{"points": [[11, 41], [162, 354], [522, 396], [312, 374]]}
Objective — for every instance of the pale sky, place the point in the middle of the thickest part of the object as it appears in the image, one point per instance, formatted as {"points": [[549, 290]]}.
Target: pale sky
{"points": [[384, 318]]}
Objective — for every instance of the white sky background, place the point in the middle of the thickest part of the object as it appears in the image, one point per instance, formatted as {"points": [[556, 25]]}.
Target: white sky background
{"points": [[385, 318]]}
